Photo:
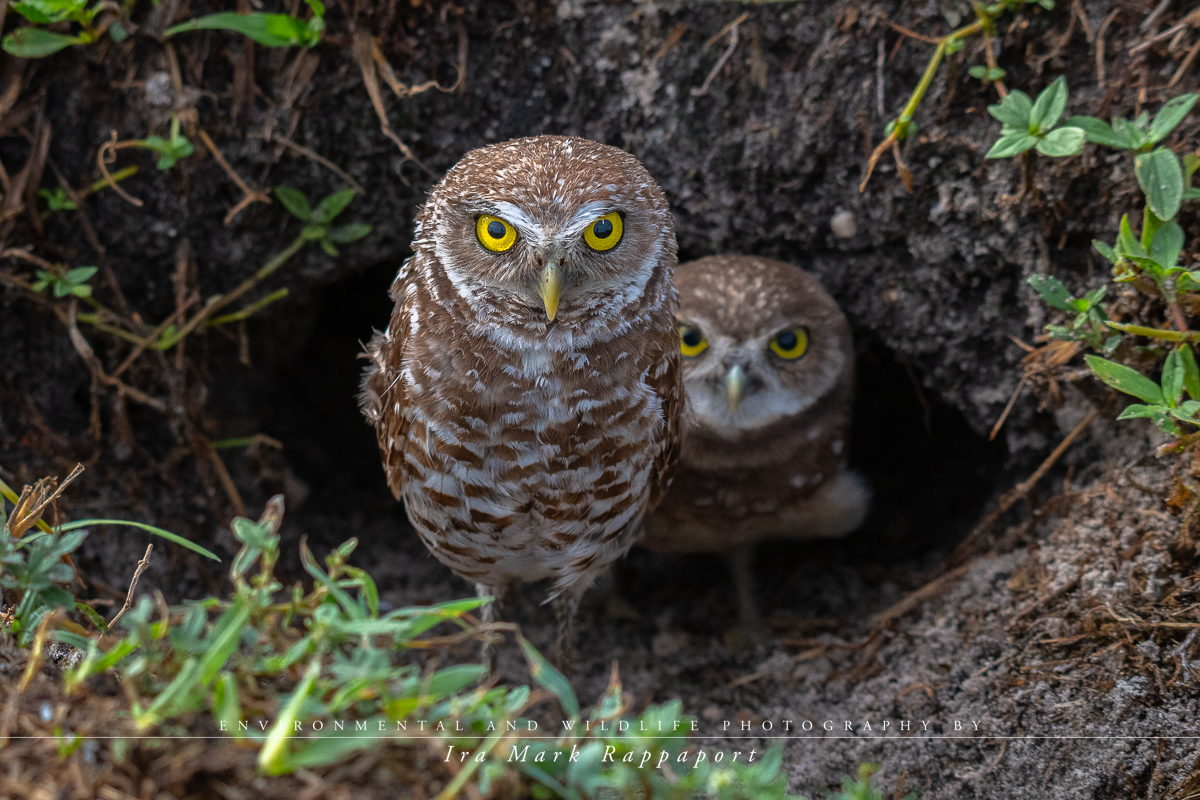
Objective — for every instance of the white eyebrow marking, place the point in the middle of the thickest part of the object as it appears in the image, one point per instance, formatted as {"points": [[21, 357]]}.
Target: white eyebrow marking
{"points": [[516, 216], [587, 214]]}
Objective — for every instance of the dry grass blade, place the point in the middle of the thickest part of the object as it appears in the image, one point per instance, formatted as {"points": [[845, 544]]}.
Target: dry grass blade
{"points": [[107, 154], [317, 157], [34, 500], [732, 30]]}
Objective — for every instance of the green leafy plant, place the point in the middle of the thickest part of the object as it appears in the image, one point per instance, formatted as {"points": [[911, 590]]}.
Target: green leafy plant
{"points": [[1162, 401], [861, 788], [57, 199], [169, 150], [1031, 124], [271, 30], [33, 42], [35, 567], [1090, 320], [318, 228], [68, 282], [902, 127], [1148, 260]]}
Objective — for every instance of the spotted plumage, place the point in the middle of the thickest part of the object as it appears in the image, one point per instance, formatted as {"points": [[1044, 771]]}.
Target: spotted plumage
{"points": [[770, 384], [526, 392]]}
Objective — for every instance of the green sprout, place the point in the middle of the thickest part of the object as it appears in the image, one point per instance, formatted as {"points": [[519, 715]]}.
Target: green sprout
{"points": [[318, 228], [171, 150], [1090, 319], [57, 199], [1162, 401], [1030, 124], [70, 282], [862, 788], [985, 73], [270, 30]]}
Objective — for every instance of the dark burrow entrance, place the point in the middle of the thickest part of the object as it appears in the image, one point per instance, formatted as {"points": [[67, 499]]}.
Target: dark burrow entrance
{"points": [[931, 476]]}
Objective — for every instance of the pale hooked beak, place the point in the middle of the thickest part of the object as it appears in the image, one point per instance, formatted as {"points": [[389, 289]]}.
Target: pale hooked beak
{"points": [[735, 384], [550, 287]]}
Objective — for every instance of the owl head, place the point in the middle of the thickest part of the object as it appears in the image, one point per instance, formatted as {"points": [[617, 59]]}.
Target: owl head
{"points": [[767, 353], [548, 232]]}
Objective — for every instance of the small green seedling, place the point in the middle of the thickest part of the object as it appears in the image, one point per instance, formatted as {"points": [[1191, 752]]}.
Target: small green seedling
{"points": [[319, 218], [862, 788], [985, 73], [1162, 401], [270, 30], [1031, 124], [1090, 319], [171, 150], [71, 282], [56, 199]]}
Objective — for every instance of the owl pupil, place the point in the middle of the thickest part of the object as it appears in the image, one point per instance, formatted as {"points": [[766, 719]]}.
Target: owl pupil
{"points": [[786, 340], [602, 229], [692, 338], [495, 229]]}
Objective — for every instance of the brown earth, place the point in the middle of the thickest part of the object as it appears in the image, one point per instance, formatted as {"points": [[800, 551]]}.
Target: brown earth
{"points": [[1068, 618]]}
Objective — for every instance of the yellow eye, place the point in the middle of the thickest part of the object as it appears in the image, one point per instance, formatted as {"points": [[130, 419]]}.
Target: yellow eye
{"points": [[691, 341], [494, 233], [604, 233], [791, 343]]}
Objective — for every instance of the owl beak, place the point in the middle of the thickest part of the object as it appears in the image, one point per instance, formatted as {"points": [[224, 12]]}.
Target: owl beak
{"points": [[549, 287], [735, 384]]}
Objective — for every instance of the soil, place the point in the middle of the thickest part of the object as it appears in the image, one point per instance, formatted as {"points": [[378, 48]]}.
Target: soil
{"points": [[1065, 619]]}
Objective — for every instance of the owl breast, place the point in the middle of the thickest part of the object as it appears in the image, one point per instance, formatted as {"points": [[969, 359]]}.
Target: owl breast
{"points": [[527, 460]]}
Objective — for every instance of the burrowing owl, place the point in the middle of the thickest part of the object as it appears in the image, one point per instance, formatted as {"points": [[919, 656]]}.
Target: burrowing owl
{"points": [[769, 372], [526, 393]]}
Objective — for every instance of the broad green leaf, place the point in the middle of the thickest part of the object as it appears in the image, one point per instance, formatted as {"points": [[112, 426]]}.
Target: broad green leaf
{"points": [[549, 678], [1126, 380], [1050, 104], [35, 14], [1062, 142], [1161, 178], [1139, 411], [81, 274], [452, 680], [349, 233], [1172, 378], [81, 291], [1127, 243], [179, 540], [1095, 296], [1134, 136], [1167, 244], [56, 597], [1013, 110], [331, 206], [1051, 290], [1171, 115], [295, 202], [1011, 144], [1191, 373], [1105, 250], [36, 43], [271, 30], [1098, 132]]}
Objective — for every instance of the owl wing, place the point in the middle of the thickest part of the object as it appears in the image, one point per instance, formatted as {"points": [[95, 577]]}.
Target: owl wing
{"points": [[382, 397], [666, 379]]}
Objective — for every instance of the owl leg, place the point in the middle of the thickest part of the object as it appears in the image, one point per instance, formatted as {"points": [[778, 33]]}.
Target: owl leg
{"points": [[566, 609], [494, 611], [750, 630]]}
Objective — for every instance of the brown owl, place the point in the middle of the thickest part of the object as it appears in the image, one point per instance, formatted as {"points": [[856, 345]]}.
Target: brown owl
{"points": [[768, 366], [526, 393]]}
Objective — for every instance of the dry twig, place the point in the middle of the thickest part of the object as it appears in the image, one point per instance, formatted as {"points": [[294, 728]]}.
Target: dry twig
{"points": [[137, 574]]}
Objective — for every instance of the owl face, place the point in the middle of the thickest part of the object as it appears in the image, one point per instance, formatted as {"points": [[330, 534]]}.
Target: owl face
{"points": [[762, 343], [548, 231]]}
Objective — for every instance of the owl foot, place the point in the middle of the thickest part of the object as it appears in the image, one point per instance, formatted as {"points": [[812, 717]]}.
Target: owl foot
{"points": [[750, 631], [566, 609]]}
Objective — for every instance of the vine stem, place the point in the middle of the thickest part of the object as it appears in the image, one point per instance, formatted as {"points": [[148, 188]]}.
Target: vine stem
{"points": [[900, 124]]}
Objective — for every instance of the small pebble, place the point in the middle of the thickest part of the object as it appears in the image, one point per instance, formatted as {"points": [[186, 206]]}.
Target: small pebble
{"points": [[843, 224]]}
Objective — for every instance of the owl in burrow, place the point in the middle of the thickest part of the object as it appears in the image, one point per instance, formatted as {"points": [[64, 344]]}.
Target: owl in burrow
{"points": [[768, 368], [526, 393]]}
